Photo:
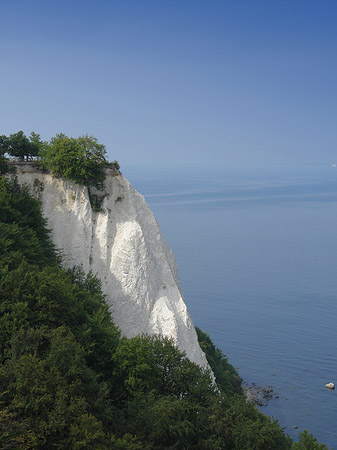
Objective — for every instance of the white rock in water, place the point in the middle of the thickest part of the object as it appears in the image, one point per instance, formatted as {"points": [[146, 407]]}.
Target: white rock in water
{"points": [[330, 386], [123, 245]]}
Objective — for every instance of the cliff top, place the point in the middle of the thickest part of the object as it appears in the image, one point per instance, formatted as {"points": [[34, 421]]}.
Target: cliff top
{"points": [[82, 160]]}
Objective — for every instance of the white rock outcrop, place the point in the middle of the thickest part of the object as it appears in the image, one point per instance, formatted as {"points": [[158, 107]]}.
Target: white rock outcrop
{"points": [[122, 244]]}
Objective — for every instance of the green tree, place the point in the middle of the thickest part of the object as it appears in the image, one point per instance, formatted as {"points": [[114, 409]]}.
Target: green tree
{"points": [[36, 144], [153, 363], [81, 159], [308, 442], [21, 147], [226, 376], [23, 228]]}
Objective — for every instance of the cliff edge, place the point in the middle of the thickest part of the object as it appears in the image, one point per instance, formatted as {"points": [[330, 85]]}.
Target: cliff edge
{"points": [[115, 234]]}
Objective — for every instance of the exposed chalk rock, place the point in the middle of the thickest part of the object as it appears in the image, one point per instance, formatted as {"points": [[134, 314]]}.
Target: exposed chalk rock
{"points": [[122, 243]]}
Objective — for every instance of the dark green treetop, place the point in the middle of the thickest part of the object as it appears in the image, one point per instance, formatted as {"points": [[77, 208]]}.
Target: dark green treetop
{"points": [[80, 159], [20, 146]]}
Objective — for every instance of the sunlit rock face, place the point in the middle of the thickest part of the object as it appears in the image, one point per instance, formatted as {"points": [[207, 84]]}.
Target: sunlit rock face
{"points": [[120, 241]]}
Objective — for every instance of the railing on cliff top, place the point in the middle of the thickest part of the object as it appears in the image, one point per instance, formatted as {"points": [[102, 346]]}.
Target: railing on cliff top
{"points": [[113, 167]]}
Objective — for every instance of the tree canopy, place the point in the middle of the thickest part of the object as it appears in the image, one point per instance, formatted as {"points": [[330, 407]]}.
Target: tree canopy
{"points": [[20, 146], [81, 159]]}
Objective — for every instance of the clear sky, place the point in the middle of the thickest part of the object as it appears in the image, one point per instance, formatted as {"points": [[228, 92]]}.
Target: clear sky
{"points": [[225, 82]]}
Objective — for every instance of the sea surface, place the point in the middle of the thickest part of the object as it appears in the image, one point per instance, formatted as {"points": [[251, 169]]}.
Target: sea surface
{"points": [[256, 251]]}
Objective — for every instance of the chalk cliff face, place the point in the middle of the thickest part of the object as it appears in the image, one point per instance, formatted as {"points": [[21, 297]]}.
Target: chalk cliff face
{"points": [[123, 244]]}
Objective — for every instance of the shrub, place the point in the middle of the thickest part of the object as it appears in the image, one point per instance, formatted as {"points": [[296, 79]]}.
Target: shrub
{"points": [[81, 159]]}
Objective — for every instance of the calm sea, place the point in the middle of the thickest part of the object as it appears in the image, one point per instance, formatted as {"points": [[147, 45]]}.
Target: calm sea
{"points": [[256, 254]]}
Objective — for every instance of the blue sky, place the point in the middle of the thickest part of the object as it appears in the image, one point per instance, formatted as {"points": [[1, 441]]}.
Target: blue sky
{"points": [[171, 82]]}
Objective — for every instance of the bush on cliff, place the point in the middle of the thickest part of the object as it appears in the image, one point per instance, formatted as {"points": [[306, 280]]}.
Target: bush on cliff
{"points": [[227, 378], [81, 159]]}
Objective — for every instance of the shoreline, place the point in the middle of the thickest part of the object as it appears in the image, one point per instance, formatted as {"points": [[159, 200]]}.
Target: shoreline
{"points": [[259, 395]]}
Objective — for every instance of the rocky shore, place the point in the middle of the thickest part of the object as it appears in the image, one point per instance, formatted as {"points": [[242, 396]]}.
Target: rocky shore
{"points": [[259, 395]]}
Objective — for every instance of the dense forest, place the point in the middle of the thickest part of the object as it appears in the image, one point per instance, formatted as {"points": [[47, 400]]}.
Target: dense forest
{"points": [[70, 380]]}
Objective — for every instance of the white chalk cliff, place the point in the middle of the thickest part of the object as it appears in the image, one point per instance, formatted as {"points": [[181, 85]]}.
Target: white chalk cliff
{"points": [[123, 245]]}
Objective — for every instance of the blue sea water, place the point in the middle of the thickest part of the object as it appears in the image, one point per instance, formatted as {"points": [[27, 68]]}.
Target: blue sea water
{"points": [[256, 254]]}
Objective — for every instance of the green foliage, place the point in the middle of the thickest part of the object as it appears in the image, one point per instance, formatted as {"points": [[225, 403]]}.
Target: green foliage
{"points": [[96, 201], [252, 430], [3, 165], [13, 431], [3, 160], [164, 422], [21, 147], [227, 378], [23, 232], [308, 442], [81, 159], [49, 334], [127, 442], [114, 165], [153, 364]]}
